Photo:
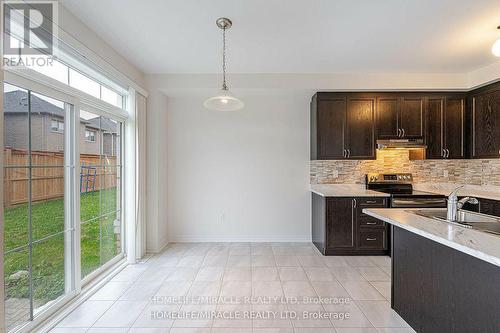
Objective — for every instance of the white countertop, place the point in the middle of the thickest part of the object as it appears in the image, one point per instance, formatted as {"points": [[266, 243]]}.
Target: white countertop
{"points": [[345, 190], [476, 243], [481, 191]]}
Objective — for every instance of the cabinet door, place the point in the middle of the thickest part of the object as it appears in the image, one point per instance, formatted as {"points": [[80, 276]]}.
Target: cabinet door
{"points": [[486, 125], [360, 136], [331, 118], [454, 129], [411, 115], [340, 228], [387, 118], [435, 128]]}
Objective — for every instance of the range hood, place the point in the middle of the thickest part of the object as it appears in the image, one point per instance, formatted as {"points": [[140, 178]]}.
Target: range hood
{"points": [[400, 144]]}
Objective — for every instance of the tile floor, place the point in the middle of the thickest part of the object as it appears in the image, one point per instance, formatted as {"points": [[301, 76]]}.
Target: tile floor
{"points": [[243, 287]]}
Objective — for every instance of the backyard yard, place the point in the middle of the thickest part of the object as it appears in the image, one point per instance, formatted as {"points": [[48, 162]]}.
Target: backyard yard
{"points": [[98, 243]]}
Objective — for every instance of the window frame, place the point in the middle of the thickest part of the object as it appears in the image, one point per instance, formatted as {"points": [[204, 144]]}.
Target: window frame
{"points": [[90, 136], [57, 129]]}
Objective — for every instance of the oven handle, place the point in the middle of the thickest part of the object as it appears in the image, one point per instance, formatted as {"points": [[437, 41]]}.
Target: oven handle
{"points": [[429, 202]]}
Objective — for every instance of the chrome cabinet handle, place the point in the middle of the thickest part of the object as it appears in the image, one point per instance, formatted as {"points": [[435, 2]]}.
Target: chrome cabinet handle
{"points": [[443, 153], [354, 202], [348, 153], [344, 153], [447, 153], [403, 130], [370, 201], [371, 223], [371, 239], [398, 133]]}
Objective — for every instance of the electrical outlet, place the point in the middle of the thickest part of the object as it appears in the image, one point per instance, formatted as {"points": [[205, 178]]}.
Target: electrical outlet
{"points": [[445, 173], [335, 173]]}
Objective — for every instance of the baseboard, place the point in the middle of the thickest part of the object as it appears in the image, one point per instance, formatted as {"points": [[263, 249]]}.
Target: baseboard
{"points": [[235, 239]]}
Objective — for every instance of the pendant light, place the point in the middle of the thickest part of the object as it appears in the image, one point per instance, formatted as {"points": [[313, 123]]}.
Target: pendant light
{"points": [[495, 49], [224, 101]]}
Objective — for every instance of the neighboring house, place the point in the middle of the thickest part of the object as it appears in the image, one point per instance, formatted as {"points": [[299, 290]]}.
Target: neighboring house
{"points": [[47, 127]]}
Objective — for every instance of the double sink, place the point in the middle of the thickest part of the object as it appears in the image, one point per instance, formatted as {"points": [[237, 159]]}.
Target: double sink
{"points": [[466, 219]]}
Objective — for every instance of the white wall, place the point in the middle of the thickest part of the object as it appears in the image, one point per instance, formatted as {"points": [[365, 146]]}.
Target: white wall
{"points": [[238, 176]]}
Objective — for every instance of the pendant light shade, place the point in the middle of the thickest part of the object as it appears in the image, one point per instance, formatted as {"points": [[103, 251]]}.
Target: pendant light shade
{"points": [[224, 101], [495, 49]]}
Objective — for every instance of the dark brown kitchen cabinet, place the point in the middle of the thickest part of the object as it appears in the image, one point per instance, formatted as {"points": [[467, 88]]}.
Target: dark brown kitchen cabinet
{"points": [[400, 117], [387, 117], [342, 127], [445, 135], [360, 136], [330, 114], [411, 117], [339, 227], [485, 114]]}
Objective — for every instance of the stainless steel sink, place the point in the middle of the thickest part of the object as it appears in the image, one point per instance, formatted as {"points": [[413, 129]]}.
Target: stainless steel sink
{"points": [[465, 219]]}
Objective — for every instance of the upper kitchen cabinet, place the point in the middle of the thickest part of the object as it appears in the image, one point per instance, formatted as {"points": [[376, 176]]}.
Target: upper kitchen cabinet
{"points": [[485, 129], [400, 117], [328, 122], [342, 127], [360, 129], [445, 134]]}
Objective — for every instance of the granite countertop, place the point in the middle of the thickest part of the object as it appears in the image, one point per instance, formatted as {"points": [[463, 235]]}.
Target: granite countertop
{"points": [[345, 190], [476, 243], [481, 191]]}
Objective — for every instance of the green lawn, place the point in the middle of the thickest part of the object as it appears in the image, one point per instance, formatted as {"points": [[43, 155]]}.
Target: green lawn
{"points": [[48, 255]]}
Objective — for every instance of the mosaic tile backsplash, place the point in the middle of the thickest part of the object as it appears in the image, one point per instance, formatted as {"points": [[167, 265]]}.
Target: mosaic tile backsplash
{"points": [[472, 172]]}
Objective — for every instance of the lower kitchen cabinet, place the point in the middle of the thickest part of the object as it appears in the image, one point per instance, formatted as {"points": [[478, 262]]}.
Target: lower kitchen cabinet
{"points": [[339, 227]]}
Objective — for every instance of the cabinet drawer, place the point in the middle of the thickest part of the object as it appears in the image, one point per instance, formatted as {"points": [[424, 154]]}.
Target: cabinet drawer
{"points": [[372, 239], [371, 202], [368, 221]]}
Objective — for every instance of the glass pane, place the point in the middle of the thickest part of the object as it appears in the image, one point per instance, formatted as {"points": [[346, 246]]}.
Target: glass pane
{"points": [[17, 297], [47, 146], [111, 97], [16, 132], [48, 270], [83, 83], [89, 140], [16, 221], [110, 237], [110, 133], [47, 211], [109, 193], [89, 194], [55, 70], [90, 251]]}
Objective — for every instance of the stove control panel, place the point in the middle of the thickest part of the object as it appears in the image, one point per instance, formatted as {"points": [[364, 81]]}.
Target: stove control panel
{"points": [[389, 178]]}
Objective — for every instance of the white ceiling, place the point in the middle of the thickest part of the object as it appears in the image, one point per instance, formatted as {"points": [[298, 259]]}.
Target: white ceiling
{"points": [[298, 36]]}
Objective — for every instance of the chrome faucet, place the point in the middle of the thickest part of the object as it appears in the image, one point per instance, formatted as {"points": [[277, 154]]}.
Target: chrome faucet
{"points": [[454, 204]]}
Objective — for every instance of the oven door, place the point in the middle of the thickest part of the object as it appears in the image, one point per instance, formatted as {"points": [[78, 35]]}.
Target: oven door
{"points": [[409, 202]]}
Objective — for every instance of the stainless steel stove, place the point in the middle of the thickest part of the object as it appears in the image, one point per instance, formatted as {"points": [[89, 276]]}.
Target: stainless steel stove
{"points": [[402, 194]]}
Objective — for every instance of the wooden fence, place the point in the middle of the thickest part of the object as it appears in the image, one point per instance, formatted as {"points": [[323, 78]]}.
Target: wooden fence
{"points": [[47, 175]]}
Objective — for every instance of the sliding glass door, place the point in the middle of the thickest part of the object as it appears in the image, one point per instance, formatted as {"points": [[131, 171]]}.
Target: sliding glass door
{"points": [[39, 234]]}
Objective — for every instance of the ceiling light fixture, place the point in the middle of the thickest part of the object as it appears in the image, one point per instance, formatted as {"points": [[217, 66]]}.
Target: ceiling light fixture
{"points": [[495, 49], [224, 101]]}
